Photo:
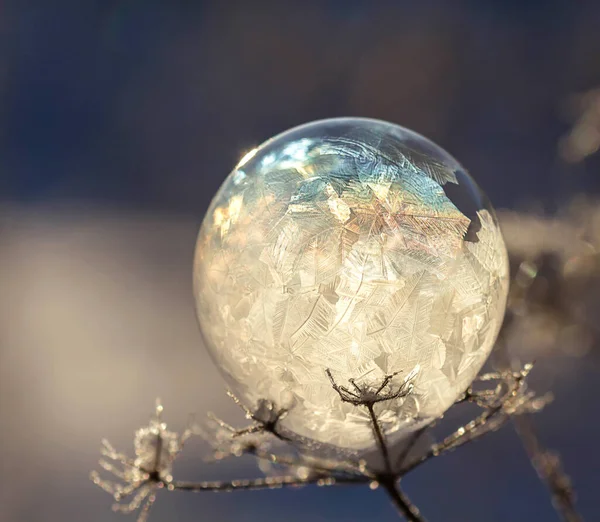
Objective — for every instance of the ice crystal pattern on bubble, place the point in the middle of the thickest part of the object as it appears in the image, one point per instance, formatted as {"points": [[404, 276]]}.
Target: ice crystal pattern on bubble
{"points": [[357, 246]]}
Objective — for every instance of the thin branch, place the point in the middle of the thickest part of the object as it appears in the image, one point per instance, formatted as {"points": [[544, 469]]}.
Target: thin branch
{"points": [[316, 466], [462, 435], [546, 463], [156, 448], [365, 394], [367, 397], [410, 445], [509, 399], [549, 469], [389, 480], [402, 503], [265, 483], [266, 418], [380, 439]]}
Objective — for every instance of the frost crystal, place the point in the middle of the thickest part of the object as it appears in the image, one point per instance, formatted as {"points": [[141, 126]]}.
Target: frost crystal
{"points": [[354, 246]]}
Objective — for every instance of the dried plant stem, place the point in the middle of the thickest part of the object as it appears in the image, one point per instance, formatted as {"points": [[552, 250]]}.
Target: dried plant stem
{"points": [[546, 463], [294, 462], [549, 469], [265, 483], [402, 503], [410, 445], [389, 480], [465, 434], [380, 439], [138, 479]]}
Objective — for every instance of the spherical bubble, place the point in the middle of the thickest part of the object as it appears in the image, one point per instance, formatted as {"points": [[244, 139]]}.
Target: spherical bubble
{"points": [[357, 246]]}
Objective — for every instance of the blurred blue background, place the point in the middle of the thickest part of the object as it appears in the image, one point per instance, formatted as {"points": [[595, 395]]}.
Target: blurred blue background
{"points": [[120, 119]]}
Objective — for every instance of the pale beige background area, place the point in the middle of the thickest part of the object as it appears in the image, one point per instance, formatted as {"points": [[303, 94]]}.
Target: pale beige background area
{"points": [[96, 320]]}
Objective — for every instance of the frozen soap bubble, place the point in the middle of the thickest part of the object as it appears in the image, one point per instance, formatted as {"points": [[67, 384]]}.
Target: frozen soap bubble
{"points": [[357, 246]]}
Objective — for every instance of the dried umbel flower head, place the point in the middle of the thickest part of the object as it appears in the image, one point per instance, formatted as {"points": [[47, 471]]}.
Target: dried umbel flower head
{"points": [[356, 246], [155, 450]]}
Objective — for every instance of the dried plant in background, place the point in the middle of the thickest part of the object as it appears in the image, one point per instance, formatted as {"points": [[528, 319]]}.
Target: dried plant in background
{"points": [[555, 263], [553, 302], [552, 307]]}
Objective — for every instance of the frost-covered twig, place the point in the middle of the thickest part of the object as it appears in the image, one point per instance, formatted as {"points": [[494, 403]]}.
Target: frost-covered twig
{"points": [[403, 504], [156, 448], [509, 398], [266, 418], [367, 396], [266, 483], [552, 305], [314, 465], [549, 468], [256, 439], [547, 463], [410, 444]]}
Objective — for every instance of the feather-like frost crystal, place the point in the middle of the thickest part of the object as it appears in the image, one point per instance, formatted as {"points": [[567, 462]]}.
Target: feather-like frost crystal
{"points": [[354, 246]]}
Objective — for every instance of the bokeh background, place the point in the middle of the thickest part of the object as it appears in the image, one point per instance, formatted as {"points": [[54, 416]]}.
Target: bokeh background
{"points": [[118, 121]]}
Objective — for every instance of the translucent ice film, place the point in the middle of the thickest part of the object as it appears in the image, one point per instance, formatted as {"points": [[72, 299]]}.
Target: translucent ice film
{"points": [[357, 246]]}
